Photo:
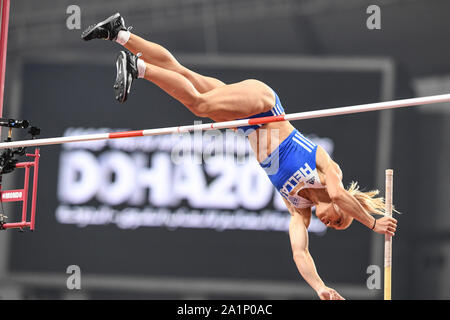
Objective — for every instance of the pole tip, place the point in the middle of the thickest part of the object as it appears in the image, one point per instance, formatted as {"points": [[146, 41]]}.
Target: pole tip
{"points": [[389, 172]]}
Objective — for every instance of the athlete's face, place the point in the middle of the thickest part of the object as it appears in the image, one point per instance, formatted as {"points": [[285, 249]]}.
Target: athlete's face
{"points": [[332, 216]]}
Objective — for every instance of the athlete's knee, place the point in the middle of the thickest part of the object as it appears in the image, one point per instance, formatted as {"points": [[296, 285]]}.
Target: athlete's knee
{"points": [[185, 72], [200, 106]]}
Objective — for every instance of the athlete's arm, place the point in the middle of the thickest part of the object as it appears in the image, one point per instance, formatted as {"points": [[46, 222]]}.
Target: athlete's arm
{"points": [[298, 234], [344, 200], [348, 203]]}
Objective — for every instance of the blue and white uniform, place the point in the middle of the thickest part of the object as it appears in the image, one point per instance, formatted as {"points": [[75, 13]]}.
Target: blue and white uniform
{"points": [[292, 163], [275, 111]]}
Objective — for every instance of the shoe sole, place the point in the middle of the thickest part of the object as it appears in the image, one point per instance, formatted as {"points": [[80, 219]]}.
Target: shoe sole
{"points": [[121, 83], [89, 30]]}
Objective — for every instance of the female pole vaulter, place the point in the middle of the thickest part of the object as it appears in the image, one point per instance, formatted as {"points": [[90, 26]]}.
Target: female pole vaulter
{"points": [[303, 173]]}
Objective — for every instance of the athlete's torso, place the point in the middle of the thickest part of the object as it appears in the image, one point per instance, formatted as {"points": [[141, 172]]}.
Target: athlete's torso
{"points": [[288, 158], [291, 168]]}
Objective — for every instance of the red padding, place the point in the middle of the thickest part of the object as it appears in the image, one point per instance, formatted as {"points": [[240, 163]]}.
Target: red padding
{"points": [[126, 134], [264, 120]]}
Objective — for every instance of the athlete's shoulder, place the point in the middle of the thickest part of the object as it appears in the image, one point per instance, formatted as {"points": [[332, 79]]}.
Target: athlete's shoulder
{"points": [[325, 164], [323, 160]]}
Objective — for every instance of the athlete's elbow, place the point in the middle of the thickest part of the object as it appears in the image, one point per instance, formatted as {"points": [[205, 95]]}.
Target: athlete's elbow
{"points": [[337, 194], [300, 254]]}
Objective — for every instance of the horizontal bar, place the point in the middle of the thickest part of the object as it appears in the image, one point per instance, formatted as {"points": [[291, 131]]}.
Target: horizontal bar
{"points": [[235, 123], [51, 141]]}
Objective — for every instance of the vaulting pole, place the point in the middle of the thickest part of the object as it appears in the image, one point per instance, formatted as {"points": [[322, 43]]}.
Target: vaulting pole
{"points": [[388, 238]]}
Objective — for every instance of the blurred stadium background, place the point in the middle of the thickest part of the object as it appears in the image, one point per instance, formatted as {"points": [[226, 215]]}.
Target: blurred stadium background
{"points": [[123, 212]]}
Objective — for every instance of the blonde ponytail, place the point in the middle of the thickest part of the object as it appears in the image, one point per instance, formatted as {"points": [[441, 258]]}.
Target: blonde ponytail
{"points": [[369, 199]]}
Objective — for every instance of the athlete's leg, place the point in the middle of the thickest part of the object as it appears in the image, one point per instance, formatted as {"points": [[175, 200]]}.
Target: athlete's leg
{"points": [[157, 55], [228, 102], [113, 28]]}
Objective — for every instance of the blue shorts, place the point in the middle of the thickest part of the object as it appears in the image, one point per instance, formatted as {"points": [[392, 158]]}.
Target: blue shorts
{"points": [[275, 111], [294, 161]]}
